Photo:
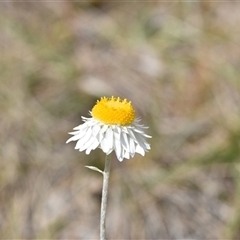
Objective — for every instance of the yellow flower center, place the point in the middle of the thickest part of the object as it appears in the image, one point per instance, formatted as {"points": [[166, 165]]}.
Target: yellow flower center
{"points": [[114, 111]]}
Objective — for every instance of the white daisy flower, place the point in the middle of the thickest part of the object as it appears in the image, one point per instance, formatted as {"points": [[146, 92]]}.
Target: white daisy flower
{"points": [[111, 127]]}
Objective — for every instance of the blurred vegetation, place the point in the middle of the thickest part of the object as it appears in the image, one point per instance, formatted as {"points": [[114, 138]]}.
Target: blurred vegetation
{"points": [[178, 62]]}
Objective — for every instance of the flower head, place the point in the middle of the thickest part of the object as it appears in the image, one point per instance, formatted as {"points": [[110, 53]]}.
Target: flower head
{"points": [[113, 126]]}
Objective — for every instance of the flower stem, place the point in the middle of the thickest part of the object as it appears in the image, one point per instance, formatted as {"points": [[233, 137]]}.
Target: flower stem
{"points": [[106, 174]]}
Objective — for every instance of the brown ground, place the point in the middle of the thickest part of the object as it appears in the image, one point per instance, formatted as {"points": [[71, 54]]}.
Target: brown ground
{"points": [[179, 65]]}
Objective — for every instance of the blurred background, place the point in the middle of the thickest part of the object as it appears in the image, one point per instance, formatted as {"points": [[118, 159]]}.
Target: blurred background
{"points": [[178, 62]]}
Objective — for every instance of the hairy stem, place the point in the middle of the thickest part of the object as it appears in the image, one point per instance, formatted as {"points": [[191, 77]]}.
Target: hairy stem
{"points": [[104, 198]]}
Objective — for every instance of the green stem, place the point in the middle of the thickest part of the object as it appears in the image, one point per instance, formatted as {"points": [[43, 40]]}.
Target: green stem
{"points": [[106, 174]]}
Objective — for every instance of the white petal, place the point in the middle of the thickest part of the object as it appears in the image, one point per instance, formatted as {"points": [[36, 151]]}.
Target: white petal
{"points": [[147, 146], [74, 138], [86, 119], [77, 135], [95, 129], [120, 159], [125, 141], [83, 140], [81, 133], [103, 129], [101, 133], [93, 146], [73, 133], [91, 122], [131, 147], [116, 132], [117, 147], [80, 127], [138, 130], [139, 140], [132, 136], [88, 150], [87, 144], [109, 137], [140, 150], [99, 136], [84, 132], [105, 146], [126, 155]]}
